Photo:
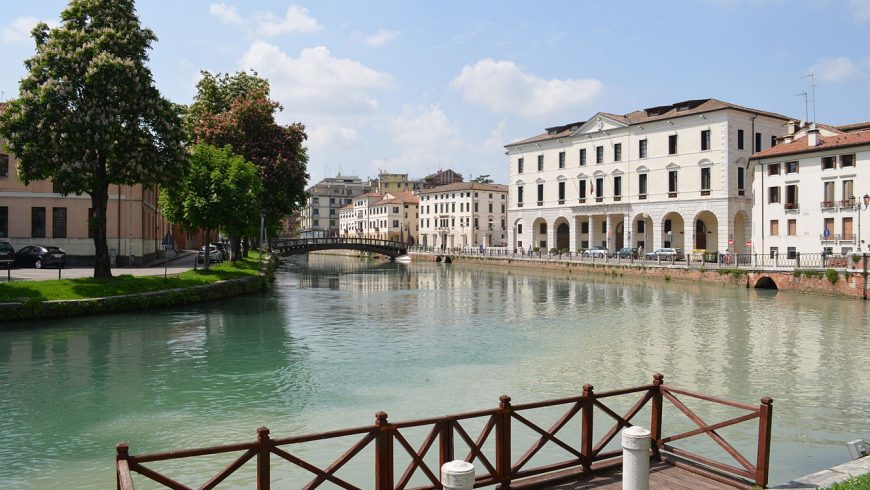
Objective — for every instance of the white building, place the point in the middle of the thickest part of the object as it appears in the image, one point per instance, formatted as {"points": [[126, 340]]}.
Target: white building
{"points": [[389, 216], [320, 215], [464, 214], [666, 176], [812, 190]]}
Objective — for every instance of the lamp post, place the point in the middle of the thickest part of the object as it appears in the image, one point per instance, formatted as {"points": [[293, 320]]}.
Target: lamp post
{"points": [[858, 208], [262, 221]]}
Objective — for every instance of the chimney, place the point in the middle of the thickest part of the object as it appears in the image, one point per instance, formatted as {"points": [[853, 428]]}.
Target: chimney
{"points": [[791, 128], [813, 136]]}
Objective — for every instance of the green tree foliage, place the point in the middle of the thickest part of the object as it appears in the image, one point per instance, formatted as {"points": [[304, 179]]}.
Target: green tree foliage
{"points": [[482, 179], [235, 109], [221, 191], [88, 114]]}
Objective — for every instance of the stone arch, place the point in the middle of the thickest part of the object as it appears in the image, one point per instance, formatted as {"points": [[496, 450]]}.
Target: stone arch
{"points": [[766, 282], [642, 231], [706, 226], [563, 233], [673, 231], [740, 233]]}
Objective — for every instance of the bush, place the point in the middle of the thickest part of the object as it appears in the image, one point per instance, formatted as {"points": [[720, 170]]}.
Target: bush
{"points": [[832, 275]]}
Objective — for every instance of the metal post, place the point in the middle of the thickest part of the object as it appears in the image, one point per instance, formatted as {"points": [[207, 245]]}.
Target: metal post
{"points": [[865, 257], [260, 260], [264, 450], [383, 453], [586, 428], [503, 442], [765, 417], [59, 267]]}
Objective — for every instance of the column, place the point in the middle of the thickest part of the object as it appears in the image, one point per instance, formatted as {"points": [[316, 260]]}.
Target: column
{"points": [[591, 231], [627, 231], [551, 236], [610, 237], [688, 236], [572, 234], [655, 233]]}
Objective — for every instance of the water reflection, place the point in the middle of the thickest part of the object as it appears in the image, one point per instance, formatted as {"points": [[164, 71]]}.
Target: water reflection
{"points": [[338, 339]]}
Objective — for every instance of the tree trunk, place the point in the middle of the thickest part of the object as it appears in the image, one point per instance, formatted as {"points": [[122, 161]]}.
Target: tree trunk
{"points": [[245, 246], [235, 248], [207, 249], [102, 261]]}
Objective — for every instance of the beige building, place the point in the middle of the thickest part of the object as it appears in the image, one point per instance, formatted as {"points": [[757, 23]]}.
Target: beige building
{"points": [[464, 214], [36, 215], [812, 192], [389, 216], [666, 176], [320, 216]]}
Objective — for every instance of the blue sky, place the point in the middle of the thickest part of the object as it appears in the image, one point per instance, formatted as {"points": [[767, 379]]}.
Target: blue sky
{"points": [[413, 86]]}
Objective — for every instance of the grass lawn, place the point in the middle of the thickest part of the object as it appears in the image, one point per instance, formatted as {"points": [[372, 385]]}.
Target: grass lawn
{"points": [[27, 291], [854, 483]]}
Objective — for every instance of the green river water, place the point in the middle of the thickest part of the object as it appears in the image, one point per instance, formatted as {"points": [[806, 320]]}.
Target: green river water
{"points": [[338, 339]]}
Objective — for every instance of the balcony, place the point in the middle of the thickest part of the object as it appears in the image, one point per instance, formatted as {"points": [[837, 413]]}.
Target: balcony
{"points": [[791, 206], [832, 237], [847, 203], [828, 204]]}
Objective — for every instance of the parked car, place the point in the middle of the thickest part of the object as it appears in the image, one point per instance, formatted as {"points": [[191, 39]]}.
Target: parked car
{"points": [[596, 251], [222, 248], [40, 256], [666, 254], [214, 255], [7, 255], [627, 253]]}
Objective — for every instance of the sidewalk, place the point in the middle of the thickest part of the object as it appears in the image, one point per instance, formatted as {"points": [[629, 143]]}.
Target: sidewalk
{"points": [[175, 265]]}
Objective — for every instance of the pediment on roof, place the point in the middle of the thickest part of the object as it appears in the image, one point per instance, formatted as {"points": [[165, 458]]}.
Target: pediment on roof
{"points": [[599, 122]]}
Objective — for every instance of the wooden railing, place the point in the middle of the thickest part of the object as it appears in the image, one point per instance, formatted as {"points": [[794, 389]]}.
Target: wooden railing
{"points": [[493, 464]]}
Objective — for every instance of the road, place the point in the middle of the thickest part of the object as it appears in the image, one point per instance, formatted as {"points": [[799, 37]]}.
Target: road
{"points": [[182, 263]]}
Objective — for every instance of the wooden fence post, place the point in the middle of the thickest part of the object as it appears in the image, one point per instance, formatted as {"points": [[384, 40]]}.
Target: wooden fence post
{"points": [[445, 442], [383, 453], [503, 442], [762, 464], [264, 450], [586, 427], [656, 422], [122, 467]]}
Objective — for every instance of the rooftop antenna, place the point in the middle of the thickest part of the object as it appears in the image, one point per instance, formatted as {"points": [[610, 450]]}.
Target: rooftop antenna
{"points": [[806, 107], [812, 77]]}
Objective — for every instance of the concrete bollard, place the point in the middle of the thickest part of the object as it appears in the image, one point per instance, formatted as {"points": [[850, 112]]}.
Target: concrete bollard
{"points": [[457, 475], [635, 458]]}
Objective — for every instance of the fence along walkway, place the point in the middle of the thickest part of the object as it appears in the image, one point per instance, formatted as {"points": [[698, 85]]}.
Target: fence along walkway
{"points": [[495, 466]]}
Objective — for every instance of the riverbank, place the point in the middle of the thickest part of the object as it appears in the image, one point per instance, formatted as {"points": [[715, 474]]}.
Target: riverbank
{"points": [[829, 282], [85, 296]]}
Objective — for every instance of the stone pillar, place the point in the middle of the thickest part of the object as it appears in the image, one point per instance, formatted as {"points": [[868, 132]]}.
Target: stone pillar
{"points": [[457, 475], [688, 236], [611, 239], [635, 458], [591, 231], [627, 231], [572, 234], [551, 235]]}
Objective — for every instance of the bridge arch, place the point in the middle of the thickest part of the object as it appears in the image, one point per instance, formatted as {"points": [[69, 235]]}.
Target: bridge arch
{"points": [[389, 248], [766, 282]]}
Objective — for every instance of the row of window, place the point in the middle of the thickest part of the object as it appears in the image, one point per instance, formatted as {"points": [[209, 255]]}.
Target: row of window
{"points": [[38, 222], [451, 222], [641, 150], [596, 187], [429, 197], [450, 207]]}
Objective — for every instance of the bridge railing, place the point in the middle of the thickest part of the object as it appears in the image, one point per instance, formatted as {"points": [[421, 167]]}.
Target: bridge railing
{"points": [[707, 260], [492, 447], [283, 243]]}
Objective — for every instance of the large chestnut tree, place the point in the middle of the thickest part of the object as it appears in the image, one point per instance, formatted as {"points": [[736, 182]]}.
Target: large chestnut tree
{"points": [[88, 114]]}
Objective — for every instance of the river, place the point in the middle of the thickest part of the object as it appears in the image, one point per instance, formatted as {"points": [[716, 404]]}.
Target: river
{"points": [[337, 339]]}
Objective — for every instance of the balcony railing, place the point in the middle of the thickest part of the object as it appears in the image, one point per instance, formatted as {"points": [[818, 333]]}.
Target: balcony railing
{"points": [[791, 206], [827, 204]]}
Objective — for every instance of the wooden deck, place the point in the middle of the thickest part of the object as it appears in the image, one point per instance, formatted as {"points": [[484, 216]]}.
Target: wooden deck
{"points": [[662, 476]]}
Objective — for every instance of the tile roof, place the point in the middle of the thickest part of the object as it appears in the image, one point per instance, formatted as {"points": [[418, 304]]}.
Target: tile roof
{"points": [[400, 197], [465, 186], [826, 142], [678, 109], [854, 126], [370, 194]]}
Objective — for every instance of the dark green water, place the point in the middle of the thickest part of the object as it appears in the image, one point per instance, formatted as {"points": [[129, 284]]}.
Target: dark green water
{"points": [[338, 339]]}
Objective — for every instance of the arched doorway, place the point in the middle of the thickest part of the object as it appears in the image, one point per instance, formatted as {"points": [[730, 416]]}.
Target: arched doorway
{"points": [[563, 236], [706, 231], [619, 241], [673, 234], [700, 235], [539, 234]]}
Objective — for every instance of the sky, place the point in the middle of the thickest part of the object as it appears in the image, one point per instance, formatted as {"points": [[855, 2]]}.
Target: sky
{"points": [[415, 87]]}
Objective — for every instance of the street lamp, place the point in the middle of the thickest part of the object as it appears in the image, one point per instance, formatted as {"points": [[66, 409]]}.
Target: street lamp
{"points": [[858, 209]]}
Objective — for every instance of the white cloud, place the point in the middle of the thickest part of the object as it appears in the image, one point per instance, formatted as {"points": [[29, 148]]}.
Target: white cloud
{"points": [[226, 13], [18, 31], [328, 135], [496, 139], [295, 20], [504, 87], [860, 9], [381, 37], [426, 140], [316, 82], [835, 69]]}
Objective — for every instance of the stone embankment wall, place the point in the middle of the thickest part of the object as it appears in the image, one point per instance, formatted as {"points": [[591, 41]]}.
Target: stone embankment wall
{"points": [[848, 284]]}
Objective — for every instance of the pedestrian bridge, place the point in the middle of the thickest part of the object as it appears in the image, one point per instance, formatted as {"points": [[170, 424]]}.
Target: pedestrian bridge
{"points": [[297, 246]]}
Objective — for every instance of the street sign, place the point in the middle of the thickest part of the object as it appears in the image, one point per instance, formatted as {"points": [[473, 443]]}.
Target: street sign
{"points": [[167, 240], [749, 243], [826, 233], [730, 242]]}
